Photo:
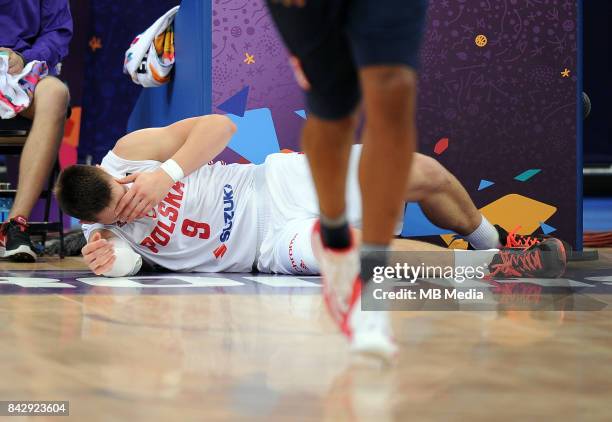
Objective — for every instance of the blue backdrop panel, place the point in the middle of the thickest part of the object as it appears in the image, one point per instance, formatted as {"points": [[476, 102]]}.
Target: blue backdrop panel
{"points": [[109, 95], [188, 93]]}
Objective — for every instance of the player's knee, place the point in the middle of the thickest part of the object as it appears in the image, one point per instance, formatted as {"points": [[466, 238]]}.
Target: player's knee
{"points": [[434, 176], [53, 92], [389, 85]]}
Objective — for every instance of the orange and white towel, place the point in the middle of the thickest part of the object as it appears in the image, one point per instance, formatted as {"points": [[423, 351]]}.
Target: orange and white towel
{"points": [[150, 58]]}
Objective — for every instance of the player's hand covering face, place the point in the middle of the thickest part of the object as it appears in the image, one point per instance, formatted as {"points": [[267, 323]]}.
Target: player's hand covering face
{"points": [[147, 190]]}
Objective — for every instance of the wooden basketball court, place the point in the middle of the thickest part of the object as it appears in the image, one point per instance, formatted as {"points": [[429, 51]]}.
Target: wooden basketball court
{"points": [[195, 347]]}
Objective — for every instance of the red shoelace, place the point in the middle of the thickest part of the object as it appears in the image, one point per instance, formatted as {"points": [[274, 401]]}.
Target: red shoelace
{"points": [[523, 242]]}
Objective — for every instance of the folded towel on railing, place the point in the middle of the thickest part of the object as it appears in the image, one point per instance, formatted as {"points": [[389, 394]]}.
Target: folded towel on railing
{"points": [[16, 90], [150, 58]]}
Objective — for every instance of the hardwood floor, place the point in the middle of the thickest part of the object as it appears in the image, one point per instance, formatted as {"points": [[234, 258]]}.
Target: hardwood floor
{"points": [[260, 352]]}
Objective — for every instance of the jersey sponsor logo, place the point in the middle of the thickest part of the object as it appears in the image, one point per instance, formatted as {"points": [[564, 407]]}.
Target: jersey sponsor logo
{"points": [[220, 251], [297, 268], [228, 212], [228, 220]]}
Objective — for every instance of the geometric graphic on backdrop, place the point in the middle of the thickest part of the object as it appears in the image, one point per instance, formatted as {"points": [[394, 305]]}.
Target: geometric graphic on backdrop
{"points": [[301, 113], [441, 146], [417, 224], [70, 141], [256, 136], [547, 229], [485, 184], [526, 175], [512, 211], [236, 104]]}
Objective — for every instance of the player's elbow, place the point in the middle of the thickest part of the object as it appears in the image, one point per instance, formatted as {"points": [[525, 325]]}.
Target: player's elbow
{"points": [[226, 123]]}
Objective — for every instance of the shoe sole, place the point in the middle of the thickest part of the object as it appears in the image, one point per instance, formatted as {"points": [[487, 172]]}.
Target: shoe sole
{"points": [[561, 255], [21, 254]]}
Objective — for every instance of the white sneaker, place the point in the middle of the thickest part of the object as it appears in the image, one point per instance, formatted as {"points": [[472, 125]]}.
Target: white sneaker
{"points": [[370, 332], [341, 282]]}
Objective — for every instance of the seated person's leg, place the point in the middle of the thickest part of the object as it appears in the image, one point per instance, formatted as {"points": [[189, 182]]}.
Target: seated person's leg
{"points": [[48, 112]]}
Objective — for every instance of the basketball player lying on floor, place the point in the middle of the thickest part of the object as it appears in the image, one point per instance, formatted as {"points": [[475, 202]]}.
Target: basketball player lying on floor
{"points": [[155, 197]]}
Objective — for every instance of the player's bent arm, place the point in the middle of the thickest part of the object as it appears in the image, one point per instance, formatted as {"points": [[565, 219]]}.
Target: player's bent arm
{"points": [[192, 142], [207, 139], [108, 255]]}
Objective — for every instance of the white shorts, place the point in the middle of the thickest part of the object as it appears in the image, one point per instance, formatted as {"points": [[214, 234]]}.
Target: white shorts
{"points": [[288, 209]]}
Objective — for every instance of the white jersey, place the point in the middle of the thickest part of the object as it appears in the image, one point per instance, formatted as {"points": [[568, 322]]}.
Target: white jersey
{"points": [[206, 223]]}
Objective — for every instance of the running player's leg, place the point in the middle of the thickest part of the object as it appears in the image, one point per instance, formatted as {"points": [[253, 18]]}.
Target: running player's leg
{"points": [[316, 35], [326, 71], [385, 37]]}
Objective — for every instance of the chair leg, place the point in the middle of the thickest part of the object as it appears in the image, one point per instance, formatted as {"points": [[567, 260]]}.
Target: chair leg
{"points": [[48, 200], [54, 175], [61, 233]]}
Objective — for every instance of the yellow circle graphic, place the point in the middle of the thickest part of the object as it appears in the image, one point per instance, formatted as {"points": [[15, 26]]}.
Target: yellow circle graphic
{"points": [[481, 40]]}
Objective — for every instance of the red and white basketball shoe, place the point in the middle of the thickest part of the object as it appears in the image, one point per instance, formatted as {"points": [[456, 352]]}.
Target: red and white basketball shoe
{"points": [[369, 332]]}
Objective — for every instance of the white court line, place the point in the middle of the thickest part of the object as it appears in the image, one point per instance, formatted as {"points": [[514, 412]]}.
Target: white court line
{"points": [[133, 282], [606, 279], [276, 281]]}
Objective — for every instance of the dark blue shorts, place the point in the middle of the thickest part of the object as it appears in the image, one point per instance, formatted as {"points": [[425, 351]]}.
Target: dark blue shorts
{"points": [[334, 38]]}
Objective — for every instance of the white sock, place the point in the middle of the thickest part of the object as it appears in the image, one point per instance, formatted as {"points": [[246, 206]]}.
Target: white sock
{"points": [[484, 237]]}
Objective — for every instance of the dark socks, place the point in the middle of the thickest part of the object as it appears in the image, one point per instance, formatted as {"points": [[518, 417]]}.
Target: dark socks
{"points": [[335, 233]]}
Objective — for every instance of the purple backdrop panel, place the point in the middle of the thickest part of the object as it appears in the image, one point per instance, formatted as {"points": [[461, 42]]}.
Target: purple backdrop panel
{"points": [[498, 80], [497, 98], [247, 51]]}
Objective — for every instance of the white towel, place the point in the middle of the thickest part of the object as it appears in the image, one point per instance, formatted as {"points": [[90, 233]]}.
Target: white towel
{"points": [[14, 89], [150, 58]]}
